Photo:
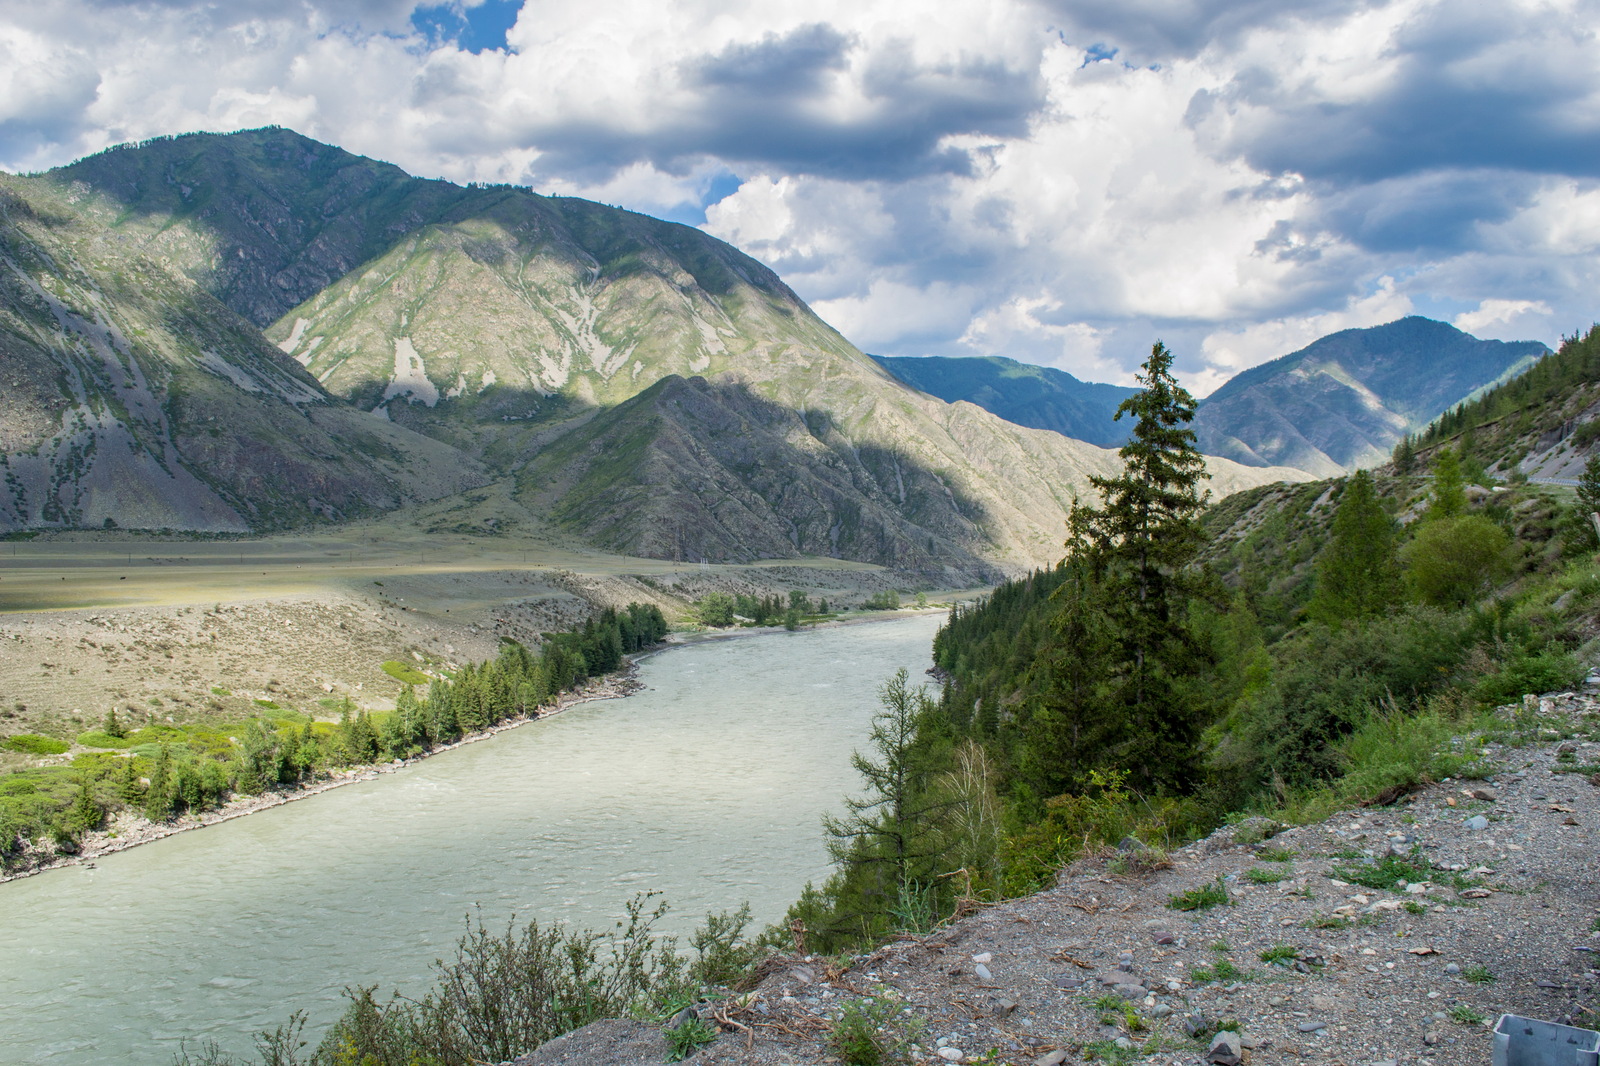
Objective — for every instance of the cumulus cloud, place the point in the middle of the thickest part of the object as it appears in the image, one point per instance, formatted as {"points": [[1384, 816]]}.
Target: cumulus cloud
{"points": [[1056, 180]]}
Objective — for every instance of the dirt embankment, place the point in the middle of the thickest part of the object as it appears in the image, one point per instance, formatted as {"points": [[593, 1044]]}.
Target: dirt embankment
{"points": [[1489, 903]]}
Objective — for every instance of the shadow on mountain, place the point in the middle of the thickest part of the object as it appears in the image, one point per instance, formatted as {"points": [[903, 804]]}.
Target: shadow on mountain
{"points": [[694, 470]]}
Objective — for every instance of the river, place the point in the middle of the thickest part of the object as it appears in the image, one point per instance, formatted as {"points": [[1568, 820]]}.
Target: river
{"points": [[707, 786]]}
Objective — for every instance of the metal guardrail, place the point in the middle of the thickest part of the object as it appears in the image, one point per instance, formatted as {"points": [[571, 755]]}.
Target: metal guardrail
{"points": [[1520, 1041]]}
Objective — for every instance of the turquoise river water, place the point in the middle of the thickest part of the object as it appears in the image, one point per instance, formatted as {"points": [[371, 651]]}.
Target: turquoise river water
{"points": [[707, 786]]}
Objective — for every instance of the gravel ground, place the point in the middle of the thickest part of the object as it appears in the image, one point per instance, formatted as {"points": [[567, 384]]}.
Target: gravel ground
{"points": [[1498, 915]]}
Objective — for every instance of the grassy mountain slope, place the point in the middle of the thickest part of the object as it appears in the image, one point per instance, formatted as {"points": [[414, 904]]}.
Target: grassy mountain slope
{"points": [[136, 400], [1038, 396], [1543, 423], [1345, 400], [532, 332]]}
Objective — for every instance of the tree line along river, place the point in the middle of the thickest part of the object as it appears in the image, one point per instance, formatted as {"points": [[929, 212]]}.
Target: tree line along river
{"points": [[707, 786]]}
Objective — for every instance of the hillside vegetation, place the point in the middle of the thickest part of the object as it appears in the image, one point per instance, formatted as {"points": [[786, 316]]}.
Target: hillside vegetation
{"points": [[1297, 649]]}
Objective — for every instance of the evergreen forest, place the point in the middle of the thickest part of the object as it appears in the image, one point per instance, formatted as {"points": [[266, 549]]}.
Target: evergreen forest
{"points": [[1284, 653]]}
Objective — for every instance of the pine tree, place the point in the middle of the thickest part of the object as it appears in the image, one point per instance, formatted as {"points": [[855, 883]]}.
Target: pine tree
{"points": [[1449, 487], [1137, 548], [886, 847], [1358, 575]]}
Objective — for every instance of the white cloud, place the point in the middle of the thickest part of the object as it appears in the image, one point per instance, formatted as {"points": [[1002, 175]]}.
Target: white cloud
{"points": [[1236, 180], [1227, 352], [1493, 315]]}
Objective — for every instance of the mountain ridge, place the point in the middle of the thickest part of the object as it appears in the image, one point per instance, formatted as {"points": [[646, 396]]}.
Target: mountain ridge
{"points": [[494, 323]]}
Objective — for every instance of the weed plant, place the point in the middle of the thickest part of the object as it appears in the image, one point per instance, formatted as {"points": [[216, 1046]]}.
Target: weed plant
{"points": [[1202, 898]]}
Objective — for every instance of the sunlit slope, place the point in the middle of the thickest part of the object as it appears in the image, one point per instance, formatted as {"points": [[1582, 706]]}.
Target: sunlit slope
{"points": [[1345, 400], [133, 399], [651, 389]]}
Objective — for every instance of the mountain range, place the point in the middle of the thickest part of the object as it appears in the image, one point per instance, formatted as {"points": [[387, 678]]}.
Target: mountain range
{"points": [[251, 331], [1339, 403]]}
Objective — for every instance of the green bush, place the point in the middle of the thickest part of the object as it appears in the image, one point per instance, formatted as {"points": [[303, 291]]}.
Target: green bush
{"points": [[1453, 560], [34, 744], [1550, 670], [99, 738], [714, 609]]}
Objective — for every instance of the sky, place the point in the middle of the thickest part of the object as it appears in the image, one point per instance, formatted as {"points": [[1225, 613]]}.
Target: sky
{"points": [[1058, 181]]}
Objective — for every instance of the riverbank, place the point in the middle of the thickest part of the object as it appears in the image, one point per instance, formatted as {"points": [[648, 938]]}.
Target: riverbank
{"points": [[128, 829]]}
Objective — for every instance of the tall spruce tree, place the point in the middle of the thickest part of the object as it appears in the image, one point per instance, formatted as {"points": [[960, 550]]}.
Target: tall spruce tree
{"points": [[1358, 575], [1449, 487], [1128, 702]]}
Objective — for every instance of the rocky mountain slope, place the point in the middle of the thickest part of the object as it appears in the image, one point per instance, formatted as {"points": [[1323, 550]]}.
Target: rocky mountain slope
{"points": [[132, 398], [1387, 934], [1344, 401], [1340, 403], [642, 385], [1038, 396]]}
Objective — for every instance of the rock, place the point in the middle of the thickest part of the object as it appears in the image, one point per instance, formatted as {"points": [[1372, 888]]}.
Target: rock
{"points": [[1124, 1043], [1475, 893], [1055, 1058], [952, 1054], [1003, 1007], [1430, 1038], [1195, 1024], [1452, 967], [1129, 991], [1163, 937], [683, 1017], [985, 957], [1311, 1027], [1488, 795], [1225, 1049], [1118, 977], [983, 972], [1160, 1010], [1477, 821]]}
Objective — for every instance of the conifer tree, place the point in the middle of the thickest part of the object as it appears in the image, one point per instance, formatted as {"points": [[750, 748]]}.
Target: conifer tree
{"points": [[1358, 575], [1449, 487], [1136, 550]]}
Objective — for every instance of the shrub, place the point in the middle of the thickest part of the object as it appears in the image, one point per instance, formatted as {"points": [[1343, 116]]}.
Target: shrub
{"points": [[867, 1033], [34, 744], [1549, 670], [1453, 560], [99, 738], [1260, 875], [714, 609]]}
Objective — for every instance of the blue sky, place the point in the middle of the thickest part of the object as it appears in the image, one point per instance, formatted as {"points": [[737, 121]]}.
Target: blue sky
{"points": [[1060, 181]]}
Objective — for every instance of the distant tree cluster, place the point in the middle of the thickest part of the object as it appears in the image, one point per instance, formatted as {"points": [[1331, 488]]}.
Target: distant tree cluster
{"points": [[171, 770]]}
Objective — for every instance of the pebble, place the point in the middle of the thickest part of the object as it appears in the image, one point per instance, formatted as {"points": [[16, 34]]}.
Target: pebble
{"points": [[983, 972], [1452, 968], [983, 958], [952, 1054], [1477, 821], [1311, 1027]]}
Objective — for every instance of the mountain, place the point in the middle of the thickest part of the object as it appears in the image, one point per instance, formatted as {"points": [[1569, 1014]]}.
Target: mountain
{"points": [[132, 398], [624, 376], [1345, 400], [1038, 396]]}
